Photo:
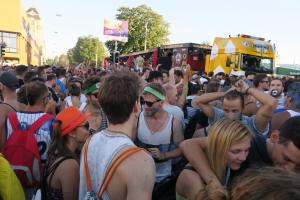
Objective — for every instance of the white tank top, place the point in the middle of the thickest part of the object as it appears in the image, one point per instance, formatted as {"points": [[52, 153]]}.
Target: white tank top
{"points": [[161, 140], [82, 100], [293, 113], [102, 148]]}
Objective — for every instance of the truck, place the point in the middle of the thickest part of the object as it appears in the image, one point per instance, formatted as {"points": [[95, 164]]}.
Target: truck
{"points": [[241, 53], [167, 56]]}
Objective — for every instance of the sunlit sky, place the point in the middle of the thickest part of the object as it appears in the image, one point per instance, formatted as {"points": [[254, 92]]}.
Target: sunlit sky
{"points": [[190, 21]]}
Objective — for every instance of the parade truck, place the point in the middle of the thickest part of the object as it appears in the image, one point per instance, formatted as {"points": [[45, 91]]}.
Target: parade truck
{"points": [[167, 56], [241, 53]]}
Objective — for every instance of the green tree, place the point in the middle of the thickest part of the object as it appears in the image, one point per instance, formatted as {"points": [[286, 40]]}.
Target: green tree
{"points": [[70, 55], [51, 61], [63, 60], [85, 51], [140, 19]]}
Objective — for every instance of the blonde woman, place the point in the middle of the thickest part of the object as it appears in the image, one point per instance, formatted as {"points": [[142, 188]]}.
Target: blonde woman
{"points": [[226, 148]]}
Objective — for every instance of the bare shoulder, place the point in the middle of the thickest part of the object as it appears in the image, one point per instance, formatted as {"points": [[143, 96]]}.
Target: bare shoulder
{"points": [[139, 159], [139, 163], [68, 166], [4, 109]]}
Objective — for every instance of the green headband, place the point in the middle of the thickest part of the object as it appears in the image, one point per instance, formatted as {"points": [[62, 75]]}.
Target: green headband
{"points": [[154, 92], [92, 88]]}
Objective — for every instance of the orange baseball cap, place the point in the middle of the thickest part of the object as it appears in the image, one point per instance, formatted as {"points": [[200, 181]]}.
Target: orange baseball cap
{"points": [[71, 118]]}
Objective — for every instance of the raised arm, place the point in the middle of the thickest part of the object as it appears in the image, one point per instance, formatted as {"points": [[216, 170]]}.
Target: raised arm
{"points": [[171, 76], [202, 102], [193, 150], [182, 98], [265, 112]]}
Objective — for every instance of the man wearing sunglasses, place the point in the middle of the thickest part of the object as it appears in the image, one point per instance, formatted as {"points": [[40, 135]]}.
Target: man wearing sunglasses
{"points": [[159, 133]]}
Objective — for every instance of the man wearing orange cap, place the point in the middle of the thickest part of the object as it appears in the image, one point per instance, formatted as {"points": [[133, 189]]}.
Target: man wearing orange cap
{"points": [[118, 96]]}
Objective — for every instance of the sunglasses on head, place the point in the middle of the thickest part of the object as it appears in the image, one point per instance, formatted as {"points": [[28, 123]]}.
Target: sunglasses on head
{"points": [[149, 103]]}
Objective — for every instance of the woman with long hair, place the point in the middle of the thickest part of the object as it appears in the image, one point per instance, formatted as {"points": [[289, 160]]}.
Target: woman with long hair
{"points": [[226, 148], [70, 131]]}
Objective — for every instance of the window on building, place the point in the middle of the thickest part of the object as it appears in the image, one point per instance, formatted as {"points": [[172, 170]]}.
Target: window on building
{"points": [[10, 39]]}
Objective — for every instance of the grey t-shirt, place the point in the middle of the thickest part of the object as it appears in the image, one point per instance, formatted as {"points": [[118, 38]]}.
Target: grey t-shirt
{"points": [[248, 121]]}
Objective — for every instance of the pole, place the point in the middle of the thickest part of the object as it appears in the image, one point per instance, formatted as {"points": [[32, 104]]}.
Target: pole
{"points": [[116, 45], [115, 51], [146, 35], [96, 54]]}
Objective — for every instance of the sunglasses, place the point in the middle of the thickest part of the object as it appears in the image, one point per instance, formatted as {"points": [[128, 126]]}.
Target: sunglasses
{"points": [[85, 125], [148, 103]]}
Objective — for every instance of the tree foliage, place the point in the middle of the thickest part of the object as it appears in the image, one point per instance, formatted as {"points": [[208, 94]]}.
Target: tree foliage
{"points": [[85, 51], [62, 61], [138, 17]]}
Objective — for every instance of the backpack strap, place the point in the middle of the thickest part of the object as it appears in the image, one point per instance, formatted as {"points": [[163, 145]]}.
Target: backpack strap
{"points": [[86, 167], [53, 168], [13, 119], [39, 122], [172, 127], [113, 167]]}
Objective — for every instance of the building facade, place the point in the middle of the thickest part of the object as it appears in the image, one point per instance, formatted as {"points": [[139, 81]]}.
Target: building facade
{"points": [[22, 33]]}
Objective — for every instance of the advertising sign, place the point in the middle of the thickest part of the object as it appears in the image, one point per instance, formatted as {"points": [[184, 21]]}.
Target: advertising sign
{"points": [[116, 30]]}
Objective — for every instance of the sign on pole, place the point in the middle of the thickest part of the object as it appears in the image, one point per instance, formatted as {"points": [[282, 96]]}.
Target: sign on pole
{"points": [[116, 30]]}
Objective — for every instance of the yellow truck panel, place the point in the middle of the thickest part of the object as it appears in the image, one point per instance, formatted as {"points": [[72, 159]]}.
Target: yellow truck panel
{"points": [[243, 52]]}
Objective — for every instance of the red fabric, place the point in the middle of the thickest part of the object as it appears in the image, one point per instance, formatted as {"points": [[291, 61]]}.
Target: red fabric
{"points": [[195, 63], [154, 59], [130, 61]]}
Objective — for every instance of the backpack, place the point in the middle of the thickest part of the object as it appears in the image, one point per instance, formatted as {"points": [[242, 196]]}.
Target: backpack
{"points": [[22, 152], [92, 195]]}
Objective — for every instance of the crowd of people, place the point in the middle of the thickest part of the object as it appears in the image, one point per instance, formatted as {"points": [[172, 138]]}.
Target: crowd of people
{"points": [[86, 133]]}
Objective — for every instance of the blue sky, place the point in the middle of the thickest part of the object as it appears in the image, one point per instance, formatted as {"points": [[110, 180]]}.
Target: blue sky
{"points": [[190, 21]]}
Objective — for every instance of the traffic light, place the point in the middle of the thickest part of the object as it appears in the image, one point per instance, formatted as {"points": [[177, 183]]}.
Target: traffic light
{"points": [[117, 56], [114, 57], [2, 51]]}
